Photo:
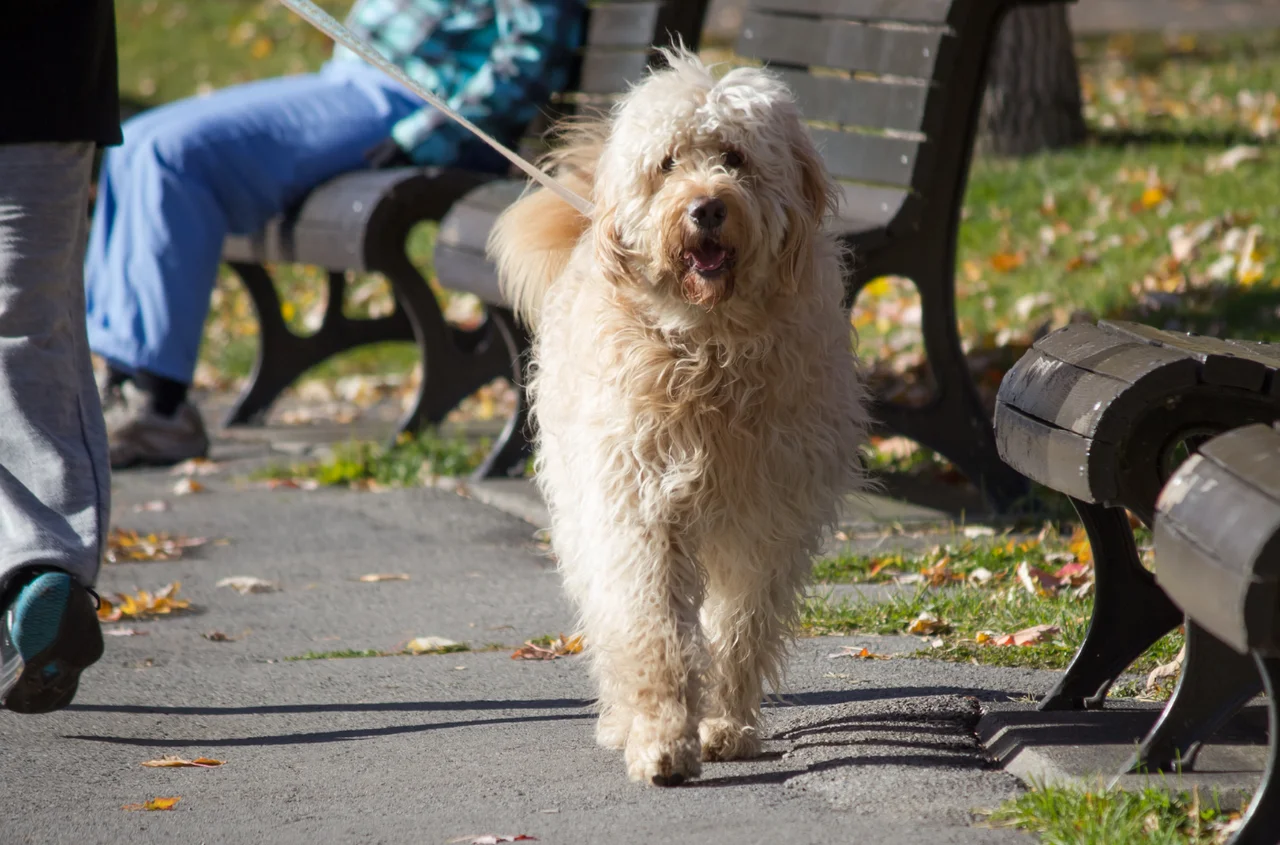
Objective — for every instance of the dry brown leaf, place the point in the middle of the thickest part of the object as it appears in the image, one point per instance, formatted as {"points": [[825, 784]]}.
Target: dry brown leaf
{"points": [[196, 466], [119, 606], [154, 804], [857, 653], [173, 762], [1035, 634], [492, 838], [1165, 672], [292, 484], [557, 648], [376, 577], [186, 486], [925, 624], [124, 546], [154, 506], [245, 584], [1008, 261], [1036, 581], [219, 637]]}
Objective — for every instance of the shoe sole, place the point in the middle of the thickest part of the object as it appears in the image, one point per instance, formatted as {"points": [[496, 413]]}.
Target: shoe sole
{"points": [[56, 619]]}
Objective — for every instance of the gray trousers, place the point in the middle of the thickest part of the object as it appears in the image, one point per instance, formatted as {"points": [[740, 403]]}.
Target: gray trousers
{"points": [[55, 483]]}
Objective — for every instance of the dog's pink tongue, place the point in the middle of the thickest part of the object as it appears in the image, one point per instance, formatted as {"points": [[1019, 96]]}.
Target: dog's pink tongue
{"points": [[708, 257]]}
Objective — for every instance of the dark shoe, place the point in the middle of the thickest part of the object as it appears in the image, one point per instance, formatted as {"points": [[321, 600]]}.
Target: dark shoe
{"points": [[49, 634], [136, 435]]}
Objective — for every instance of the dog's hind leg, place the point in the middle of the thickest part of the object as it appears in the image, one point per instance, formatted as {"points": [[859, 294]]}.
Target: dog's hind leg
{"points": [[752, 596], [640, 616]]}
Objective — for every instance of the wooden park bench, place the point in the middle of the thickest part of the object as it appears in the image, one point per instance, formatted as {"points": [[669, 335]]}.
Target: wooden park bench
{"points": [[1105, 414], [361, 222], [1217, 539], [897, 84]]}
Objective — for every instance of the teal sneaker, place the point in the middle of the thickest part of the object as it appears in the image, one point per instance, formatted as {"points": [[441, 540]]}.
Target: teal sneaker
{"points": [[49, 634]]}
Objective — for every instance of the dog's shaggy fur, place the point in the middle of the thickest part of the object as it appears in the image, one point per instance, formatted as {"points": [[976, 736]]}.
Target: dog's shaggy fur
{"points": [[697, 400]]}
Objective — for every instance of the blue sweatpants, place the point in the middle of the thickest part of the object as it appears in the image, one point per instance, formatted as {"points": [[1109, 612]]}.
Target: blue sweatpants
{"points": [[191, 172]]}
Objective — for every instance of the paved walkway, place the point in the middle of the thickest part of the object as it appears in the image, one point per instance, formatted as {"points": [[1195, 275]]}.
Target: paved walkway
{"points": [[425, 749]]}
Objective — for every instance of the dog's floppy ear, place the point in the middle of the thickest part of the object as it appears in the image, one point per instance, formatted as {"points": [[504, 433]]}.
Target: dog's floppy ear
{"points": [[805, 218]]}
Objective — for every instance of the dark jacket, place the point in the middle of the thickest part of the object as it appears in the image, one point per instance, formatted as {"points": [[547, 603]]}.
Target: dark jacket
{"points": [[58, 77]]}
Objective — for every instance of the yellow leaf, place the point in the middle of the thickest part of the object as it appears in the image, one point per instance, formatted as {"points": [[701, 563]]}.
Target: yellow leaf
{"points": [[262, 47], [375, 577], [1153, 196], [880, 287], [186, 486], [287, 311], [432, 645], [154, 804], [124, 606], [173, 762]]}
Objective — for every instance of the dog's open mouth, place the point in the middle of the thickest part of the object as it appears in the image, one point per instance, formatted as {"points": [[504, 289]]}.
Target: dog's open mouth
{"points": [[709, 259]]}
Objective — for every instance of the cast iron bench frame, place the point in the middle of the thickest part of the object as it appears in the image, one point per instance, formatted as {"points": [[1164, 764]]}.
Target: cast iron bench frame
{"points": [[361, 222], [1104, 414], [1217, 539]]}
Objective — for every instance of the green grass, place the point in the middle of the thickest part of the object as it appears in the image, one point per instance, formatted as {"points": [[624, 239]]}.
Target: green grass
{"points": [[997, 602], [412, 461], [345, 653], [1062, 816]]}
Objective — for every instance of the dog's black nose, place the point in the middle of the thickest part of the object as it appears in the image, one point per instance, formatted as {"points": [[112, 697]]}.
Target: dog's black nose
{"points": [[707, 212]]}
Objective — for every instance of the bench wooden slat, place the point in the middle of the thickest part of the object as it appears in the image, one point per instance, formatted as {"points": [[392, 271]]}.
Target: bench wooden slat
{"points": [[871, 204], [1221, 363], [867, 158], [1250, 455], [907, 11], [858, 102], [1086, 346], [469, 271], [1039, 450], [848, 46], [611, 71], [623, 24], [1063, 395]]}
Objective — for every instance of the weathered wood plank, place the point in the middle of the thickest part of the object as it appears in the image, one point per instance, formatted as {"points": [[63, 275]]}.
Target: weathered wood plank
{"points": [[803, 42], [1041, 452], [858, 102]]}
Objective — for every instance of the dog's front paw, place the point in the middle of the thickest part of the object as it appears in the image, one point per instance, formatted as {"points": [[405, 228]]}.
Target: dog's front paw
{"points": [[661, 762], [727, 739]]}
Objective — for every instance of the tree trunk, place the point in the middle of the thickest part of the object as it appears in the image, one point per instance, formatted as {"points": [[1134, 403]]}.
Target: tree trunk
{"points": [[1032, 101]]}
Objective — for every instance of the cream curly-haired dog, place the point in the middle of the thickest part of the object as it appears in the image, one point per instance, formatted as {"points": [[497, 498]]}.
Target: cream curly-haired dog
{"points": [[697, 402]]}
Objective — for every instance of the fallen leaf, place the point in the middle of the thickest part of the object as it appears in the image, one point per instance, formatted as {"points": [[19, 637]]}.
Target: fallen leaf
{"points": [[1036, 581], [926, 623], [857, 653], [974, 531], [196, 466], [187, 486], [984, 637], [493, 838], [1008, 261], [1232, 158], [292, 484], [119, 606], [981, 575], [124, 632], [1035, 634], [154, 804], [1165, 672], [432, 645], [124, 546], [173, 762], [1153, 196], [375, 577], [245, 584], [1079, 546], [556, 648], [218, 637], [154, 506]]}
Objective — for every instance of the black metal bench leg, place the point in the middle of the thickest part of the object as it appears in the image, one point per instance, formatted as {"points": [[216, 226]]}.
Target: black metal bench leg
{"points": [[1216, 682], [1262, 820], [954, 424], [279, 354], [512, 447], [1130, 612]]}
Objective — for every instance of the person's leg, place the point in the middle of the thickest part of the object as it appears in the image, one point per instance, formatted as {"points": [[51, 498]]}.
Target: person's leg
{"points": [[54, 479], [187, 175]]}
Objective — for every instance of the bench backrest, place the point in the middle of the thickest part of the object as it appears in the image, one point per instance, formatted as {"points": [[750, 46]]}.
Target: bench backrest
{"points": [[893, 89], [619, 44]]}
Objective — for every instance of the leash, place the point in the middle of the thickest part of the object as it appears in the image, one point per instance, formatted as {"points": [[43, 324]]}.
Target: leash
{"points": [[326, 23]]}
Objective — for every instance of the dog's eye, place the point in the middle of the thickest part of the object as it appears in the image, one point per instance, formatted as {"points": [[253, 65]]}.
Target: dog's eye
{"points": [[667, 164], [733, 159]]}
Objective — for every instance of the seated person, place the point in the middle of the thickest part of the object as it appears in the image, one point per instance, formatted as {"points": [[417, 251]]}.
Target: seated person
{"points": [[192, 171]]}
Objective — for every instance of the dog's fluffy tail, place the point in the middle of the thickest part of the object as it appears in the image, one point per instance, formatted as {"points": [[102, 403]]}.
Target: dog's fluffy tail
{"points": [[533, 239]]}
